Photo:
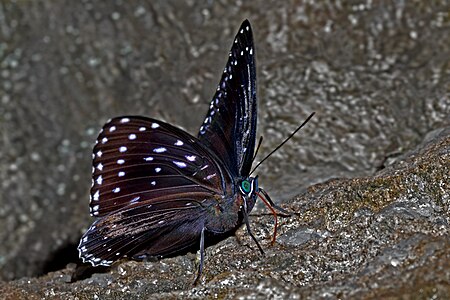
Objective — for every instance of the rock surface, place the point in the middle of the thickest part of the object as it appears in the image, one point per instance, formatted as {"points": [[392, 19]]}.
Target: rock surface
{"points": [[371, 237], [377, 74]]}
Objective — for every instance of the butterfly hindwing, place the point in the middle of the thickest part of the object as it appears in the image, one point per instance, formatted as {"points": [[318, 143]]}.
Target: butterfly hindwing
{"points": [[230, 124], [143, 229]]}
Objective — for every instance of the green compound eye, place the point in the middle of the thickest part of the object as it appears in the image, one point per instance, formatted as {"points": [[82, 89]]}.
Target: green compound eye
{"points": [[246, 186]]}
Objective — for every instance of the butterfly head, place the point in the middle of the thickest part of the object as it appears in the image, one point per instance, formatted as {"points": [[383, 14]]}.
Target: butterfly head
{"points": [[249, 187]]}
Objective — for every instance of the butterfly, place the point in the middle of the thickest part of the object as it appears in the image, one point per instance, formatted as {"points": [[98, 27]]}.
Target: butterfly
{"points": [[158, 191]]}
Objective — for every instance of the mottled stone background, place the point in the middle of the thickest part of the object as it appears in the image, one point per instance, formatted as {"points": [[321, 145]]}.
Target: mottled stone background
{"points": [[377, 73]]}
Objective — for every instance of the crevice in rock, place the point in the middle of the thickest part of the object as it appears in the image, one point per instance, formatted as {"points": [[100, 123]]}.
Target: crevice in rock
{"points": [[84, 271], [59, 259]]}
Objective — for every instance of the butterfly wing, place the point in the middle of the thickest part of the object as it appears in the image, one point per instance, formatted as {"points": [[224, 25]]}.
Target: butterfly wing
{"points": [[229, 128], [141, 230], [152, 184], [140, 159]]}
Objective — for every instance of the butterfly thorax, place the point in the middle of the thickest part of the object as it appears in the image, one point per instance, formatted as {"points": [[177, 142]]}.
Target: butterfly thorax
{"points": [[225, 214]]}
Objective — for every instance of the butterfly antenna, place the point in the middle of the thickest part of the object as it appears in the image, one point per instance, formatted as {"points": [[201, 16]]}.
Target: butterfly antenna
{"points": [[257, 148], [284, 142]]}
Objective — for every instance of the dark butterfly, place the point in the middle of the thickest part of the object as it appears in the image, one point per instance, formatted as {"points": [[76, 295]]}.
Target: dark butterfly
{"points": [[158, 190]]}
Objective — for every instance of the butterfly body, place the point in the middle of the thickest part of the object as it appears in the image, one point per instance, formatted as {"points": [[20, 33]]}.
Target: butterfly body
{"points": [[158, 191], [224, 215]]}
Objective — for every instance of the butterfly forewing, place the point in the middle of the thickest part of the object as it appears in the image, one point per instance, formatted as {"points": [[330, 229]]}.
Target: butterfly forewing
{"points": [[230, 124], [139, 159]]}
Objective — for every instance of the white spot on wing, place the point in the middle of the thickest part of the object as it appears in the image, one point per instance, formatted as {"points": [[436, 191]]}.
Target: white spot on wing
{"points": [[142, 129], [211, 176], [155, 125], [153, 182], [116, 190], [124, 120], [99, 153], [104, 140], [120, 161], [132, 136], [121, 174], [160, 150], [148, 158], [96, 195], [179, 164], [157, 170], [190, 157], [100, 166], [112, 128], [123, 149], [99, 179], [179, 143]]}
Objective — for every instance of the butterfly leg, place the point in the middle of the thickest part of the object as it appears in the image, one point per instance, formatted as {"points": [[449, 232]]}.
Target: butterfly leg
{"points": [[269, 203], [202, 256], [247, 224], [280, 209]]}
